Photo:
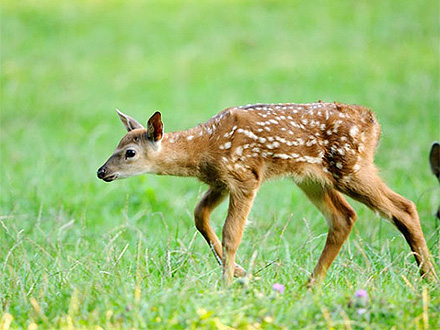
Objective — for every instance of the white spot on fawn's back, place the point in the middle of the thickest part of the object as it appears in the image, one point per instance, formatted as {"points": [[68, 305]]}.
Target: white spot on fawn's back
{"points": [[239, 151], [227, 145], [282, 156], [353, 131]]}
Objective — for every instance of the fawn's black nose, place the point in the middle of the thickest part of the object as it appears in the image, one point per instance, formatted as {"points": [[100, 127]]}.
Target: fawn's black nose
{"points": [[101, 172]]}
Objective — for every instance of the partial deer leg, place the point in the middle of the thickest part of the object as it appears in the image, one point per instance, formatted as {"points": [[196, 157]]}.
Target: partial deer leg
{"points": [[202, 212], [369, 189], [239, 206], [340, 217]]}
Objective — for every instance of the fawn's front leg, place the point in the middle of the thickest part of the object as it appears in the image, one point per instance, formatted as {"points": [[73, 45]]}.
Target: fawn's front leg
{"points": [[212, 198], [239, 206]]}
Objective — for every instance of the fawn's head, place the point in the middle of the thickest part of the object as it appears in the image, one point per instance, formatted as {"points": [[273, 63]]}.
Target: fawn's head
{"points": [[136, 151]]}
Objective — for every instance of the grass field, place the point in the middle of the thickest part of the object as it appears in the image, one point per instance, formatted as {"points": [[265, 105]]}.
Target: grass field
{"points": [[77, 253]]}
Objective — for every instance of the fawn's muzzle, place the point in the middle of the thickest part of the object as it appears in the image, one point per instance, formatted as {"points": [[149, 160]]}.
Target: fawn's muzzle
{"points": [[104, 174]]}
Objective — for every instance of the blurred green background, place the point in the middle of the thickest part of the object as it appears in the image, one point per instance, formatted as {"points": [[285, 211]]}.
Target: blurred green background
{"points": [[66, 66]]}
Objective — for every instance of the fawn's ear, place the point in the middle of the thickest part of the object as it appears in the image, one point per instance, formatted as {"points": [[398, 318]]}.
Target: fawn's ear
{"points": [[155, 127], [434, 159], [129, 123]]}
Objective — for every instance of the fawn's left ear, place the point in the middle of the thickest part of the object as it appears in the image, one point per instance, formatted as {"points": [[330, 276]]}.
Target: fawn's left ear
{"points": [[155, 127], [129, 123], [434, 159]]}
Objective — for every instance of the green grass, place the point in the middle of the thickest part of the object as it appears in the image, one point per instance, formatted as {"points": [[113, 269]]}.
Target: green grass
{"points": [[78, 253]]}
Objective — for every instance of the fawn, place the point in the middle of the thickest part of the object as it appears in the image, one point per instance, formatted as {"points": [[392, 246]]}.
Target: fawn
{"points": [[434, 161], [326, 148]]}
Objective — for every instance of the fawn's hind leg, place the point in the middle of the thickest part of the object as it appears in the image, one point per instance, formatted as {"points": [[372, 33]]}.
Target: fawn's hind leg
{"points": [[211, 199], [340, 218], [368, 188]]}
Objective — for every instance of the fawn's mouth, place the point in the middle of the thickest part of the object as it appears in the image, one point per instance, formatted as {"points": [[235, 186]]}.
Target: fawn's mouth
{"points": [[111, 178]]}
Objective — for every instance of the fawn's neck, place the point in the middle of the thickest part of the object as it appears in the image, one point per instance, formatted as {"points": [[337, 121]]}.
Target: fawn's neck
{"points": [[179, 154]]}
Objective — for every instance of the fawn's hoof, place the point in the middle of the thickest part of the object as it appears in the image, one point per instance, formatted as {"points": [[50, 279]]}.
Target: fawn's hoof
{"points": [[239, 271], [313, 281], [310, 283], [430, 275]]}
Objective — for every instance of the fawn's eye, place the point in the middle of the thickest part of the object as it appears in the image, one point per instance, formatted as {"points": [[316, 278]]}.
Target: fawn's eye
{"points": [[130, 153]]}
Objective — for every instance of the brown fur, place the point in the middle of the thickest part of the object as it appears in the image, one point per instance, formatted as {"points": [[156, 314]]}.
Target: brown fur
{"points": [[327, 148]]}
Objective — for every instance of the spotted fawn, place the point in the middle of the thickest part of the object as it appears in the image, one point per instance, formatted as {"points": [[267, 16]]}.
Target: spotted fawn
{"points": [[326, 148]]}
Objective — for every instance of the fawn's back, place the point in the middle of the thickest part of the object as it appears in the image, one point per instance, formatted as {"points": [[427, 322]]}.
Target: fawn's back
{"points": [[326, 141]]}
